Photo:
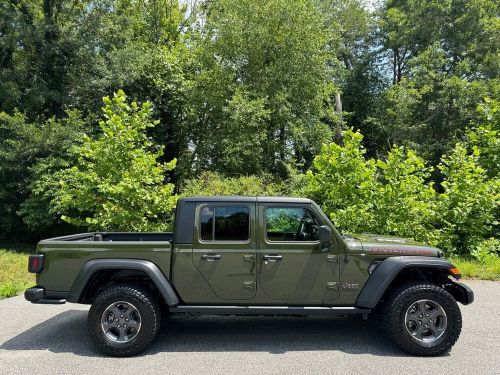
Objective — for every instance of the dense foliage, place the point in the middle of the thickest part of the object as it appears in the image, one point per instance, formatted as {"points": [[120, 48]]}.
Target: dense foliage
{"points": [[382, 196], [386, 112], [31, 152], [117, 182], [395, 196], [212, 183]]}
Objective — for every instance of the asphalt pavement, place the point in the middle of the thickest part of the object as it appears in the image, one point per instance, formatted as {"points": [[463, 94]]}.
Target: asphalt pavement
{"points": [[53, 339]]}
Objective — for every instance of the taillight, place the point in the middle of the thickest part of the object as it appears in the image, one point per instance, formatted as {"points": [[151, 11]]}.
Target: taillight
{"points": [[35, 263]]}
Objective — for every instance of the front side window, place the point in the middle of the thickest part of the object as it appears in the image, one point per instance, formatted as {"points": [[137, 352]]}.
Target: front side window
{"points": [[225, 223], [291, 224]]}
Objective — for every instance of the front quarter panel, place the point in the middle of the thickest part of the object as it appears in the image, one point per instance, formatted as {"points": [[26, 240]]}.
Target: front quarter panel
{"points": [[386, 272]]}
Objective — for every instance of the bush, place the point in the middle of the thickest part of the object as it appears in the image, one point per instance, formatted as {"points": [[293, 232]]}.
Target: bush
{"points": [[404, 201], [486, 138], [487, 250], [468, 207], [393, 196], [385, 196], [117, 183], [211, 183], [344, 183]]}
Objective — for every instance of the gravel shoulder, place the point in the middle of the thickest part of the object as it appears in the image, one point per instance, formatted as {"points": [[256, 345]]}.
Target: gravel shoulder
{"points": [[53, 339]]}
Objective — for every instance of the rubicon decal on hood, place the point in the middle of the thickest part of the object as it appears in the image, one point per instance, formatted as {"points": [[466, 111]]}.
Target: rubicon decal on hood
{"points": [[388, 250]]}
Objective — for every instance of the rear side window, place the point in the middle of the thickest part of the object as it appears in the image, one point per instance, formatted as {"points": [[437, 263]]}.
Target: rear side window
{"points": [[225, 223]]}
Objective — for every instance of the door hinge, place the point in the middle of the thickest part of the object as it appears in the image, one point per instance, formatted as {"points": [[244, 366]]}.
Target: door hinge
{"points": [[332, 259], [249, 258]]}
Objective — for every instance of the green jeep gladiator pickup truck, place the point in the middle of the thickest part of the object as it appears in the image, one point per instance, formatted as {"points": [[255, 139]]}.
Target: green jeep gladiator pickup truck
{"points": [[250, 256]]}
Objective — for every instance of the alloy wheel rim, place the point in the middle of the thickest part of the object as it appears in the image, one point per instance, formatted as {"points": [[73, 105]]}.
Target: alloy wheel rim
{"points": [[426, 321], [121, 322]]}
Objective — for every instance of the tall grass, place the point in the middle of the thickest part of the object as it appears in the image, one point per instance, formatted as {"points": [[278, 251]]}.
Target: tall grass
{"points": [[14, 275], [473, 269]]}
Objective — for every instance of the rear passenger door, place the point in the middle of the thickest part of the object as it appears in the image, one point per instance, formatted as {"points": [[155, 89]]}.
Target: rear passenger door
{"points": [[224, 248]]}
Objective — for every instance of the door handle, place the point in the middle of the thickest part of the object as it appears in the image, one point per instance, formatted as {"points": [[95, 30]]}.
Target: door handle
{"points": [[272, 258], [210, 257]]}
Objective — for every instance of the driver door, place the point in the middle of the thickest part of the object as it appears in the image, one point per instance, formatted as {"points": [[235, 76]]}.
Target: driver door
{"points": [[294, 265]]}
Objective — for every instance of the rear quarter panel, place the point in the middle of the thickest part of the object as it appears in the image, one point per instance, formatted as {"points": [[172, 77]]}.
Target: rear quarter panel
{"points": [[64, 259]]}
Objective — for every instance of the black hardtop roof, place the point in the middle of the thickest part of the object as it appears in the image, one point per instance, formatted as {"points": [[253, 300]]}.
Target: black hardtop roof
{"points": [[235, 198]]}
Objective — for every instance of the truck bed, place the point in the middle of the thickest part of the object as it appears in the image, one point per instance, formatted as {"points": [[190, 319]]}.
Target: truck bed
{"points": [[65, 256]]}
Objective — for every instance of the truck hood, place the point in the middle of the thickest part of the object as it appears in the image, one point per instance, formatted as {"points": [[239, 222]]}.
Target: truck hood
{"points": [[388, 245]]}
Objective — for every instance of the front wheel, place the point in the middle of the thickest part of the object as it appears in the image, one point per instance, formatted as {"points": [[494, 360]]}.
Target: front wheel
{"points": [[423, 319], [124, 320]]}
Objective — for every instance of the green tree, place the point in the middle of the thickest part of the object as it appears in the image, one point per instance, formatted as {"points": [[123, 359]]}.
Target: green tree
{"points": [[269, 60], [352, 32], [23, 146], [44, 56], [395, 121], [445, 65], [242, 145], [117, 183]]}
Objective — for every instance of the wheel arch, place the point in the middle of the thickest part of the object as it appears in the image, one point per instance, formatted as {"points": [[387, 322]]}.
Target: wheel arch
{"points": [[392, 271], [102, 268]]}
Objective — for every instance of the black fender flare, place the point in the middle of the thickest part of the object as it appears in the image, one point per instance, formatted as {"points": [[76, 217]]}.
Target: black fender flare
{"points": [[145, 266], [388, 269]]}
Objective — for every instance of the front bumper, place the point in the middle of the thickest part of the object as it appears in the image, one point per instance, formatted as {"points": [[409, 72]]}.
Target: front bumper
{"points": [[39, 295], [461, 292], [468, 294]]}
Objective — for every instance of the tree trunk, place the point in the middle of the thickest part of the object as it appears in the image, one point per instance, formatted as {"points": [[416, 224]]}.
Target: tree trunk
{"points": [[338, 104]]}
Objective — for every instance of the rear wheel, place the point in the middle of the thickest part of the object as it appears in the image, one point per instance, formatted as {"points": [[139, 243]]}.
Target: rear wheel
{"points": [[124, 320], [423, 319]]}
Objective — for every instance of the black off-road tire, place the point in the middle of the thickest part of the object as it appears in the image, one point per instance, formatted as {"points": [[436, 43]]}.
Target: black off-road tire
{"points": [[397, 305], [150, 316]]}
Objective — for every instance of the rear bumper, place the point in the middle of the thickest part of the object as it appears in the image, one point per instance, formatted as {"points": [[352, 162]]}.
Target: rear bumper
{"points": [[40, 295]]}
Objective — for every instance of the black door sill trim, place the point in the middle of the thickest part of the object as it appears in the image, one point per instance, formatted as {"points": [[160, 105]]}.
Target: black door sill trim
{"points": [[267, 310]]}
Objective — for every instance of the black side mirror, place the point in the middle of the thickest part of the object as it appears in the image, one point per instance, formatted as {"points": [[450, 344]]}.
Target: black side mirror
{"points": [[324, 234]]}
